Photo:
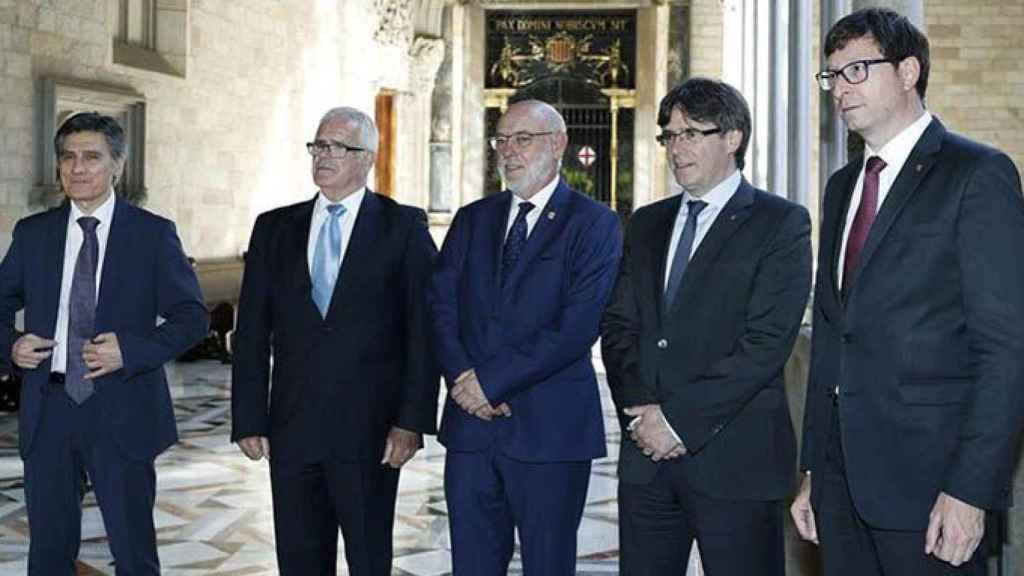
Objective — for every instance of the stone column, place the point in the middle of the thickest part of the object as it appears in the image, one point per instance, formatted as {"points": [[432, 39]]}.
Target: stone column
{"points": [[426, 55]]}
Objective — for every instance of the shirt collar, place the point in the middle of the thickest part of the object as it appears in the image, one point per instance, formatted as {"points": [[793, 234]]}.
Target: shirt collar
{"points": [[720, 195], [350, 202], [540, 199], [104, 212], [897, 150]]}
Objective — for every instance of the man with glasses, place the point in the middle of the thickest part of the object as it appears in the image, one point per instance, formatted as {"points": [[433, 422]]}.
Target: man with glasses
{"points": [[916, 393], [517, 295], [333, 381], [705, 312]]}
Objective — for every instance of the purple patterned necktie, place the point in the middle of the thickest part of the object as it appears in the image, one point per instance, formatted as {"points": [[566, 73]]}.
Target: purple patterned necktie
{"points": [[515, 242], [863, 219], [82, 311]]}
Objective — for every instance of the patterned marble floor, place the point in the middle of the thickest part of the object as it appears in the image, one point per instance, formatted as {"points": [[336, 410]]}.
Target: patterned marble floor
{"points": [[213, 510]]}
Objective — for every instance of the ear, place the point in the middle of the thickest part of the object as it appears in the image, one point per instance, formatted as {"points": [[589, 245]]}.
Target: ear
{"points": [[558, 143], [118, 172], [733, 138], [909, 70]]}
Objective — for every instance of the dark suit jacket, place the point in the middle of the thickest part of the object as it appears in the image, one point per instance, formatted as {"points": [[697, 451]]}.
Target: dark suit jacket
{"points": [[927, 348], [338, 384], [145, 275], [529, 340], [714, 362]]}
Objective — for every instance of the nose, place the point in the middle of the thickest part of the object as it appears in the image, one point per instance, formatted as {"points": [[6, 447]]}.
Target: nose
{"points": [[77, 166]]}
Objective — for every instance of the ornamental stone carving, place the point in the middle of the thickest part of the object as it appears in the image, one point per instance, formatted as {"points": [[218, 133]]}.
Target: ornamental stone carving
{"points": [[395, 22]]}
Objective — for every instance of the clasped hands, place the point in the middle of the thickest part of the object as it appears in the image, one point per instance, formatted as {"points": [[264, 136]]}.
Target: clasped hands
{"points": [[469, 395], [102, 354], [651, 432]]}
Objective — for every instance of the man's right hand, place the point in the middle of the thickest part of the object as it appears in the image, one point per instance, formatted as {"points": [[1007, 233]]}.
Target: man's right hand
{"points": [[255, 447], [30, 350], [803, 514]]}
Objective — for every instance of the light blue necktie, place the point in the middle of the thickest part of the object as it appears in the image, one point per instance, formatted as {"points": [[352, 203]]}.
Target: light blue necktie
{"points": [[327, 258]]}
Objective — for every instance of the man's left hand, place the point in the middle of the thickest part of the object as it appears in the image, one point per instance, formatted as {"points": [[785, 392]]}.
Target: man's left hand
{"points": [[102, 355], [652, 434], [400, 446], [955, 529], [469, 395]]}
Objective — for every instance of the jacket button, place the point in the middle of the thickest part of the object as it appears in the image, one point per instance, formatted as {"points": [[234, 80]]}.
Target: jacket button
{"points": [[328, 329], [663, 343], [847, 338]]}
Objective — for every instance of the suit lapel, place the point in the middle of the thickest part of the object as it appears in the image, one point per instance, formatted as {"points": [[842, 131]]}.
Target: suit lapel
{"points": [[917, 166], [495, 228], [663, 228], [734, 214], [295, 251], [53, 259], [357, 260], [552, 219], [836, 209], [118, 243]]}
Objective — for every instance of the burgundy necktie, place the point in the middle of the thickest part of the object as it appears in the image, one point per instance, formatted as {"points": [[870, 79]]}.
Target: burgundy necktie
{"points": [[863, 220]]}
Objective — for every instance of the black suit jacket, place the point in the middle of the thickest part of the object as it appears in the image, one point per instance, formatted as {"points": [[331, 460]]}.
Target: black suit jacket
{"points": [[714, 362], [927, 347], [337, 385]]}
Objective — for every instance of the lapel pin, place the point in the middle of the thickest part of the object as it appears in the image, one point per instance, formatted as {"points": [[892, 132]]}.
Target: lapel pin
{"points": [[551, 215], [919, 167]]}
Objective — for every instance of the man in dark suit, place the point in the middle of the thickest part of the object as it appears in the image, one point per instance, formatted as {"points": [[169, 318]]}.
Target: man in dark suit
{"points": [[706, 308], [517, 296], [916, 393], [334, 292], [93, 275]]}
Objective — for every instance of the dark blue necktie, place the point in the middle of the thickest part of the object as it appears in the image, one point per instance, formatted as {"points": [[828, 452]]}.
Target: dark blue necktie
{"points": [[82, 311], [683, 249], [515, 241]]}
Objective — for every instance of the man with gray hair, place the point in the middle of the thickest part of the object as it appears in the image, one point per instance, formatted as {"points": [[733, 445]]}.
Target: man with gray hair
{"points": [[92, 276], [332, 380]]}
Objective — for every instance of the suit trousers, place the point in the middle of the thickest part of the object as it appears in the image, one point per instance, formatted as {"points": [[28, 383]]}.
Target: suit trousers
{"points": [[311, 501], [659, 521], [850, 547], [490, 496], [71, 443]]}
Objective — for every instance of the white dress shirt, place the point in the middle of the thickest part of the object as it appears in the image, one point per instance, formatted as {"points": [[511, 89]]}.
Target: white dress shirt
{"points": [[539, 201], [895, 155], [716, 199], [347, 221], [72, 245]]}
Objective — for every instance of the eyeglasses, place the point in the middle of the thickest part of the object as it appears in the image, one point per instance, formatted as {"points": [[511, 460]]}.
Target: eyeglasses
{"points": [[330, 148], [519, 140], [690, 135], [853, 73]]}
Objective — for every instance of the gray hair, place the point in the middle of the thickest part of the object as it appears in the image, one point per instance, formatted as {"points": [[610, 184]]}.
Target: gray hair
{"points": [[367, 129]]}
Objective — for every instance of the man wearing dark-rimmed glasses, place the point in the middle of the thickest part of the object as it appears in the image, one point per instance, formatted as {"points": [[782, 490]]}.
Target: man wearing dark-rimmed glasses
{"points": [[334, 293], [708, 302], [915, 398]]}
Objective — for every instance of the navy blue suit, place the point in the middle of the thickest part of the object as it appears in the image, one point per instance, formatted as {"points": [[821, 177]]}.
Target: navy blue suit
{"points": [[529, 342], [129, 419]]}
